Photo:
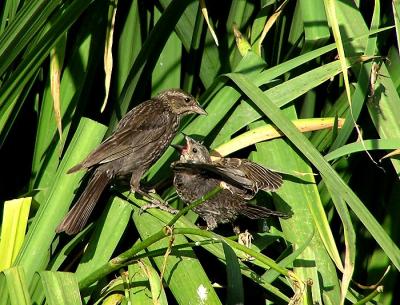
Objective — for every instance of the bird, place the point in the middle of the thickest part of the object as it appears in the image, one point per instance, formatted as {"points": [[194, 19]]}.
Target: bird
{"points": [[195, 175], [139, 139]]}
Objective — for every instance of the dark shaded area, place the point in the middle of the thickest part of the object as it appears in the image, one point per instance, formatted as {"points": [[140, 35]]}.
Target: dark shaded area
{"points": [[15, 156]]}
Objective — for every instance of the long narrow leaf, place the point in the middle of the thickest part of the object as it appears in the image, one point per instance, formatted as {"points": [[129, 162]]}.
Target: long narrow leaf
{"points": [[16, 283], [13, 227], [60, 288], [34, 253], [317, 160]]}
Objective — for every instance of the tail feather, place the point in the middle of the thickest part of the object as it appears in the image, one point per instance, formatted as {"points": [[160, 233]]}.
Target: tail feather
{"points": [[75, 168], [78, 216], [258, 212]]}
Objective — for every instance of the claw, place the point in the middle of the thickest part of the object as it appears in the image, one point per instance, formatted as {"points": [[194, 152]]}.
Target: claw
{"points": [[245, 239], [158, 205]]}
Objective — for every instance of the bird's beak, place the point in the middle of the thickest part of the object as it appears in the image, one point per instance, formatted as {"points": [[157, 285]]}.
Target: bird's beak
{"points": [[197, 109], [178, 147]]}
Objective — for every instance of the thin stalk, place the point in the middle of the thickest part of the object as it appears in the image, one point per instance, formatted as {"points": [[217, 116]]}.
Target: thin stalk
{"points": [[257, 255], [191, 206], [174, 249], [371, 296], [121, 260]]}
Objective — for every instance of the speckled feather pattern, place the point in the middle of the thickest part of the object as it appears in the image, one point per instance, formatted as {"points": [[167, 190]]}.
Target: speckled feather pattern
{"points": [[195, 175], [139, 139]]}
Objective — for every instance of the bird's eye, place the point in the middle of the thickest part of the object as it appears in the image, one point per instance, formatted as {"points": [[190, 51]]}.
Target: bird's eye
{"points": [[194, 150], [187, 99]]}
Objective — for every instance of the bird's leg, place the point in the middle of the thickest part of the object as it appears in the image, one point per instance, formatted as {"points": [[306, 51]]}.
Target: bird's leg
{"points": [[154, 202], [211, 222], [245, 239], [136, 188]]}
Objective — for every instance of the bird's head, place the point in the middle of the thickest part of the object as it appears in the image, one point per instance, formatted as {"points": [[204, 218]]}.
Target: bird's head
{"points": [[193, 151], [180, 102]]}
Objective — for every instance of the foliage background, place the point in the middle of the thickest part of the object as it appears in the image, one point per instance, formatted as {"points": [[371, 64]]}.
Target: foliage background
{"points": [[288, 65]]}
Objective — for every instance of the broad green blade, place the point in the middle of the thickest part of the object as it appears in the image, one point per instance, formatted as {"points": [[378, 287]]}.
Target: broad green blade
{"points": [[185, 276], [235, 293], [47, 147], [167, 71], [140, 292], [106, 236], [384, 109], [300, 199], [14, 286], [375, 144], [362, 85], [13, 228], [302, 143], [315, 23], [34, 253], [61, 288], [349, 240]]}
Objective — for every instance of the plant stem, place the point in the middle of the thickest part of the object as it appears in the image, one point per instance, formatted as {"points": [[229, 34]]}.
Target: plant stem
{"points": [[123, 258], [258, 256], [369, 297]]}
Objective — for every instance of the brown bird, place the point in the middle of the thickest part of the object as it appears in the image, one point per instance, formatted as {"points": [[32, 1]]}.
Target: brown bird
{"points": [[195, 175], [139, 139]]}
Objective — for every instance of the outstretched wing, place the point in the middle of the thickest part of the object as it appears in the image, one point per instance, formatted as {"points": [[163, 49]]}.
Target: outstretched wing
{"points": [[241, 173], [139, 127], [259, 212], [264, 178]]}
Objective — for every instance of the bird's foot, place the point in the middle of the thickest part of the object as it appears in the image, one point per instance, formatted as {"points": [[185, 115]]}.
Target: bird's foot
{"points": [[148, 189], [245, 239], [154, 202], [157, 204]]}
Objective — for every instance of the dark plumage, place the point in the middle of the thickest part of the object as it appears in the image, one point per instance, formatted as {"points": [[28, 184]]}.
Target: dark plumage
{"points": [[139, 139], [195, 175]]}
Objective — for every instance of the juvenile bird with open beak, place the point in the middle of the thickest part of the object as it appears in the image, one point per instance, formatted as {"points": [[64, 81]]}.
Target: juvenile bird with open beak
{"points": [[195, 175]]}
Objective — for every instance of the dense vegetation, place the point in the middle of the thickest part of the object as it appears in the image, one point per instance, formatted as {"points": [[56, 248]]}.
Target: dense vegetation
{"points": [[325, 73]]}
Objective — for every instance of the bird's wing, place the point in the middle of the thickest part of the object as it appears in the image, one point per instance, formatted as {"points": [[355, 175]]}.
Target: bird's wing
{"points": [[253, 211], [231, 176], [230, 169], [241, 173], [194, 167], [265, 178], [141, 126]]}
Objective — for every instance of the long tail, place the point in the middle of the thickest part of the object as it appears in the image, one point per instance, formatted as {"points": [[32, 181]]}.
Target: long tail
{"points": [[77, 217], [258, 212]]}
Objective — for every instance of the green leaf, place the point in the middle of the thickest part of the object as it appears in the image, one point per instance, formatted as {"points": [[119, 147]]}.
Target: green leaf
{"points": [[374, 144], [327, 172], [28, 66], [47, 147], [13, 227], [235, 293], [13, 281], [61, 288], [185, 275], [61, 193], [106, 236], [384, 109], [315, 23], [167, 71], [146, 59], [350, 242]]}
